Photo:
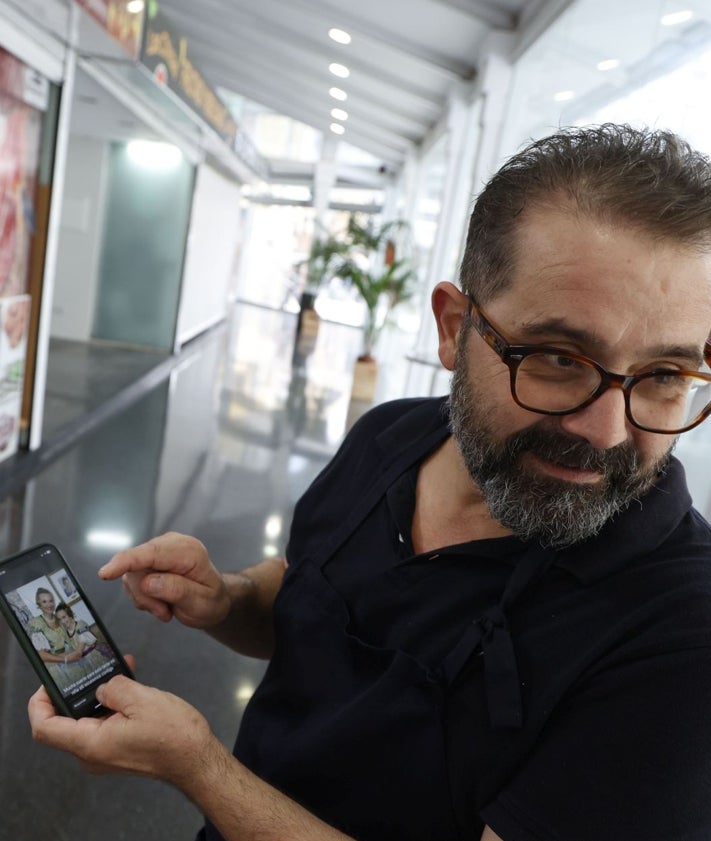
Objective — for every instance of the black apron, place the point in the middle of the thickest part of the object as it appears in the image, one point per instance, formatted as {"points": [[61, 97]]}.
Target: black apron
{"points": [[358, 734]]}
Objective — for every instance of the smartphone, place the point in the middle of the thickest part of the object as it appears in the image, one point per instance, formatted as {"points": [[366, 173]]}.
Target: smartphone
{"points": [[59, 631]]}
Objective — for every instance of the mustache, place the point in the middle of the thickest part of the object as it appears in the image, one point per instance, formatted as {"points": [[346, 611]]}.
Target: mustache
{"points": [[576, 453]]}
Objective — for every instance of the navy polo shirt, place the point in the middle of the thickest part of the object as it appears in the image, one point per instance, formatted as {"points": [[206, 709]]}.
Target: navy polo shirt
{"points": [[612, 648]]}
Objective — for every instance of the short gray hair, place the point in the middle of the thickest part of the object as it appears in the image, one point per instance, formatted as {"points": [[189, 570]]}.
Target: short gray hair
{"points": [[652, 181]]}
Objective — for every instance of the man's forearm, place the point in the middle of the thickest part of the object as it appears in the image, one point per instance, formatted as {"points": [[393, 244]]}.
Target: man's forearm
{"points": [[248, 628], [245, 808]]}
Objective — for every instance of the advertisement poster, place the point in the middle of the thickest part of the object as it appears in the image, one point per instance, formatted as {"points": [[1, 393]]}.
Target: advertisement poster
{"points": [[14, 322], [20, 130], [20, 127]]}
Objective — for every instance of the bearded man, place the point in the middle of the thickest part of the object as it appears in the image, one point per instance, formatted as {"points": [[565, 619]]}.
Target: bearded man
{"points": [[495, 617]]}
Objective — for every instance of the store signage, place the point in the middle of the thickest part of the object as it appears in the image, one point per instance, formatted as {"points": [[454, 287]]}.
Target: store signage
{"points": [[166, 54], [122, 19]]}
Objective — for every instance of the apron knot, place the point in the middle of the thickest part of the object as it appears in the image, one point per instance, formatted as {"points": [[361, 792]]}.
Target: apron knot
{"points": [[503, 688], [493, 619]]}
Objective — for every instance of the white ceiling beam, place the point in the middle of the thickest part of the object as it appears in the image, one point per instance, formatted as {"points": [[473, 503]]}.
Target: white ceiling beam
{"points": [[385, 107], [537, 19], [422, 53], [490, 14], [312, 94], [287, 44]]}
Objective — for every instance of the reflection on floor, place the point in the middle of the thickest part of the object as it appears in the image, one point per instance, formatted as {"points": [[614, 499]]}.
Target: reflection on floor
{"points": [[220, 447], [81, 376]]}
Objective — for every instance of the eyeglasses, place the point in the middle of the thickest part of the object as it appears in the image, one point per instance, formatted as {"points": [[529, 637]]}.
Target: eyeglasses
{"points": [[553, 381]]}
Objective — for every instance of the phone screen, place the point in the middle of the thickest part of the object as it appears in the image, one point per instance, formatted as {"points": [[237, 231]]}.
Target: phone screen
{"points": [[58, 629]]}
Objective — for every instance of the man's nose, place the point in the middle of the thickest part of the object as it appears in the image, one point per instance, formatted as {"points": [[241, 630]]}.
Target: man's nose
{"points": [[603, 423]]}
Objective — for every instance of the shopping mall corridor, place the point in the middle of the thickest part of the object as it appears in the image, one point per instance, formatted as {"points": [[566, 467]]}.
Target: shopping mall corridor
{"points": [[220, 448]]}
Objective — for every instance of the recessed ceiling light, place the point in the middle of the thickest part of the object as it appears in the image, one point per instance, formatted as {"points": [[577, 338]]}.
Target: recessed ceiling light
{"points": [[337, 128], [339, 114], [338, 94], [339, 70], [563, 96], [608, 64], [339, 35], [674, 18], [135, 7]]}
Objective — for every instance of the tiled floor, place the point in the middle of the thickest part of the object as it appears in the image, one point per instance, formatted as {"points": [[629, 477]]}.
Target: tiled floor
{"points": [[83, 376], [221, 445]]}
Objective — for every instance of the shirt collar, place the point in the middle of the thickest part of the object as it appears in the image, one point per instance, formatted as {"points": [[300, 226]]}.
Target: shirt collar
{"points": [[635, 532], [415, 429], [638, 530]]}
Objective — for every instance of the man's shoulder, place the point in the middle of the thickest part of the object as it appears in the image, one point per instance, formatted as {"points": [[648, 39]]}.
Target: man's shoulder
{"points": [[385, 415], [380, 441]]}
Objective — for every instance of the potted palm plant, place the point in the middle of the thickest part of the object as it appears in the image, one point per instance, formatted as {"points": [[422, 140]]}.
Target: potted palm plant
{"points": [[316, 269], [382, 281]]}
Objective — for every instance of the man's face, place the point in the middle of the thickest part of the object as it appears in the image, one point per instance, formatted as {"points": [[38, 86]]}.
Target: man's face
{"points": [[606, 292]]}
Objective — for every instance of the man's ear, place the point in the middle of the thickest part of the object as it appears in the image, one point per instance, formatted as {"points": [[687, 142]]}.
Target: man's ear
{"points": [[449, 306]]}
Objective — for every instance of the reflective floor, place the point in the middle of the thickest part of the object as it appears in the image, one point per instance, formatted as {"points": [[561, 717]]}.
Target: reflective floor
{"points": [[221, 448]]}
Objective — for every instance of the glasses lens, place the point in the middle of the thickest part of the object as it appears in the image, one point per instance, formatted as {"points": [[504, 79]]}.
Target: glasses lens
{"points": [[553, 382], [668, 401]]}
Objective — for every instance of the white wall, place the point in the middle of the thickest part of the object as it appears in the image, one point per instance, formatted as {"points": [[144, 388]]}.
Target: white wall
{"points": [[80, 239], [211, 259]]}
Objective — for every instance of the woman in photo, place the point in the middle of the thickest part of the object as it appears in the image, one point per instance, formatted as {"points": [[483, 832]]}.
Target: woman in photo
{"points": [[50, 640], [80, 638]]}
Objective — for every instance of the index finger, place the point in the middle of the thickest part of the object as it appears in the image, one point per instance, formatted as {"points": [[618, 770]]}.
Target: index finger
{"points": [[160, 554]]}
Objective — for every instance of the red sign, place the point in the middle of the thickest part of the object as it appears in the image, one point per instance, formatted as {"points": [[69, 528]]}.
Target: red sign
{"points": [[123, 25]]}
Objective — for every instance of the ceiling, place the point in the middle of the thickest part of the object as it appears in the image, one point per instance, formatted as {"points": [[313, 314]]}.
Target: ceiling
{"points": [[405, 57]]}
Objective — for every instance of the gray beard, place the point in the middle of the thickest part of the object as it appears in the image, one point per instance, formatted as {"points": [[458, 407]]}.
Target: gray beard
{"points": [[552, 511]]}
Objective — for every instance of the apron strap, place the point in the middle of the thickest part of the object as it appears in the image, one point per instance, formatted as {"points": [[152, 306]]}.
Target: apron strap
{"points": [[489, 636], [365, 504]]}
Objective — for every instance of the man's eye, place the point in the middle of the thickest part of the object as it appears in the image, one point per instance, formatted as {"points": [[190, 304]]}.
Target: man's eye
{"points": [[554, 365], [559, 361]]}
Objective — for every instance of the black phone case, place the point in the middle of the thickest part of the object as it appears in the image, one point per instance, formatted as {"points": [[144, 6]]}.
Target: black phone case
{"points": [[91, 708]]}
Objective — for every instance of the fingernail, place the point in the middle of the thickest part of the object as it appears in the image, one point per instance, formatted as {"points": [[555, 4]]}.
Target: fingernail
{"points": [[153, 584]]}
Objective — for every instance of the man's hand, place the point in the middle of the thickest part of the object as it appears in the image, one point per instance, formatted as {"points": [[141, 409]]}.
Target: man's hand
{"points": [[155, 734], [172, 575], [151, 733]]}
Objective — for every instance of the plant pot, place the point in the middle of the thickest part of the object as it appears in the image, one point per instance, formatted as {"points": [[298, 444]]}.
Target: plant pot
{"points": [[365, 376], [307, 324]]}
